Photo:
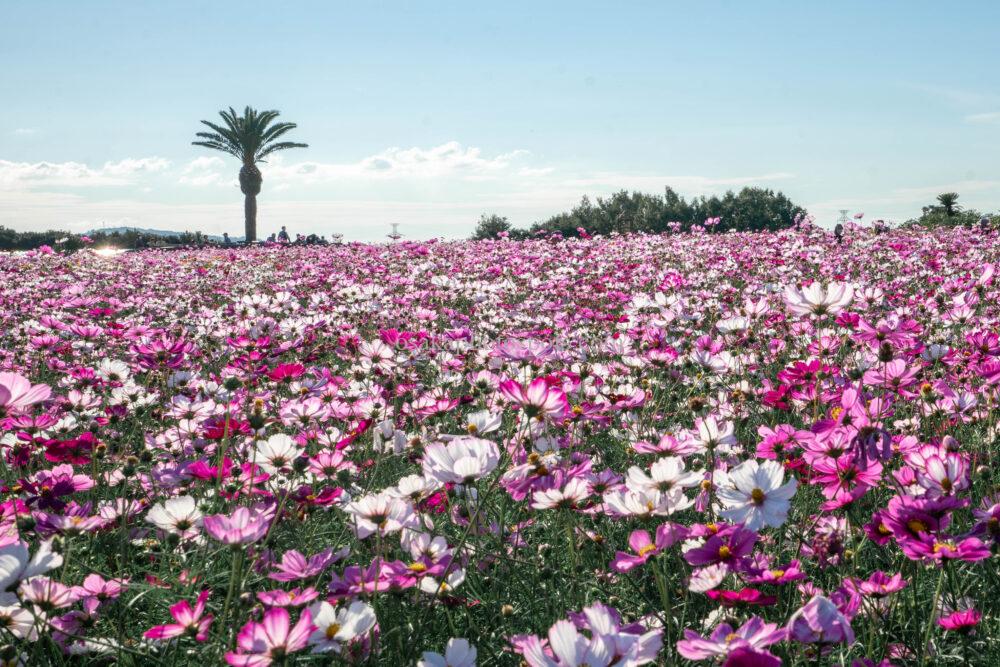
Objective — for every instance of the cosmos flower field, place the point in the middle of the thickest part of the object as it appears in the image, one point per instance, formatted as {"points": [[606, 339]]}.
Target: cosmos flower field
{"points": [[739, 449]]}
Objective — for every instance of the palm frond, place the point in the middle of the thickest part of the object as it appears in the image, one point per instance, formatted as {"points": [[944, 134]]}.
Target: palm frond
{"points": [[280, 146], [249, 136]]}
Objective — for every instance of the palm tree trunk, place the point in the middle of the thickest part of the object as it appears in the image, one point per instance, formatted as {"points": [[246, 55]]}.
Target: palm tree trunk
{"points": [[250, 217]]}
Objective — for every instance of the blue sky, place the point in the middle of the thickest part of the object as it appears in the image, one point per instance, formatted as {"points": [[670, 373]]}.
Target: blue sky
{"points": [[429, 114]]}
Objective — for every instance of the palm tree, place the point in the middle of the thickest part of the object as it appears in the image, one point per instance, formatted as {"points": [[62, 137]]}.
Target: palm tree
{"points": [[250, 137], [949, 203]]}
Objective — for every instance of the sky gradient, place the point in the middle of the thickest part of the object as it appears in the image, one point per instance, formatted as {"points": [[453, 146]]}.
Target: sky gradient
{"points": [[428, 114]]}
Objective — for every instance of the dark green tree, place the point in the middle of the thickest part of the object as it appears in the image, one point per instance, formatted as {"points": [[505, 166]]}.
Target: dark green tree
{"points": [[949, 203], [250, 138], [490, 227], [752, 209]]}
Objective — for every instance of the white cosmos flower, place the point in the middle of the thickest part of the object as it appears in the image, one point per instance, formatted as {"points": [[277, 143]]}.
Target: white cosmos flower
{"points": [[646, 503], [461, 460], [482, 422], [433, 586], [458, 653], [18, 621], [733, 324], [665, 475], [381, 513], [713, 434], [16, 563], [178, 515], [275, 453], [753, 494], [569, 496], [338, 626], [111, 370], [414, 487], [708, 577], [818, 300]]}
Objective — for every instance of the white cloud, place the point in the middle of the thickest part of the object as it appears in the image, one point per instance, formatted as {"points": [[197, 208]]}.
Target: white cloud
{"points": [[129, 166], [204, 171], [449, 160], [24, 131], [18, 175]]}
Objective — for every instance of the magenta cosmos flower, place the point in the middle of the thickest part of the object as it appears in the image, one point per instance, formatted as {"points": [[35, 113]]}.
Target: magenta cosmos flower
{"points": [[189, 621], [645, 548], [730, 545], [963, 620]]}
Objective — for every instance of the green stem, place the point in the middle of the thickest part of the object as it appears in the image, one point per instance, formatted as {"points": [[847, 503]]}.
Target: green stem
{"points": [[930, 619], [234, 576]]}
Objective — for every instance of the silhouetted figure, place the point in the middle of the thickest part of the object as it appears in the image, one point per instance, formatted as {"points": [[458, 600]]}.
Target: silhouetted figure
{"points": [[283, 235], [225, 239], [838, 233]]}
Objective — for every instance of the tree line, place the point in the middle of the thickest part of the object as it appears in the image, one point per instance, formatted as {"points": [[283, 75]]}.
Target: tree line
{"points": [[61, 240], [750, 209]]}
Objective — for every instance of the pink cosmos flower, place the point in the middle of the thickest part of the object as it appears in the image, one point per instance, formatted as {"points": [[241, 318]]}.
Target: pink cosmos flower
{"points": [[17, 394], [880, 584], [103, 589], [962, 621], [243, 526], [260, 644], [539, 399], [755, 634], [47, 594], [189, 621], [295, 566], [644, 548], [293, 598], [820, 622]]}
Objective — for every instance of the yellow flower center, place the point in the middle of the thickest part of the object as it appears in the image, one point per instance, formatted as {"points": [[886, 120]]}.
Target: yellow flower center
{"points": [[646, 549], [916, 526], [945, 546], [332, 630], [757, 496], [417, 567], [725, 552]]}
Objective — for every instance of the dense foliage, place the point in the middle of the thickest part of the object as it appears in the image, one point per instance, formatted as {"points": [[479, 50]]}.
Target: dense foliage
{"points": [[749, 210], [947, 213], [748, 449]]}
